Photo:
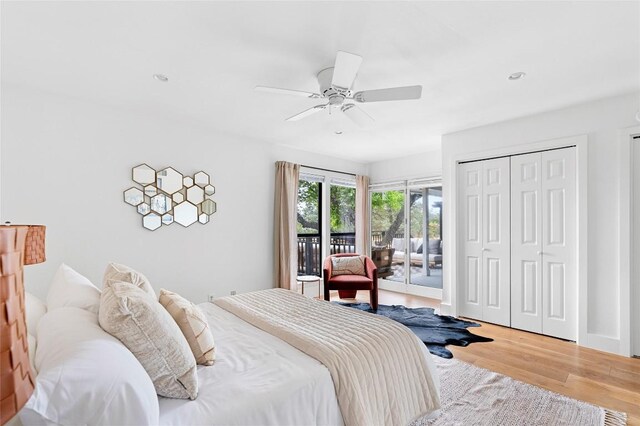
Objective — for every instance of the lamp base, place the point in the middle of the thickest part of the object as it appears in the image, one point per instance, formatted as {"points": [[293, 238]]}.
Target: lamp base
{"points": [[16, 379]]}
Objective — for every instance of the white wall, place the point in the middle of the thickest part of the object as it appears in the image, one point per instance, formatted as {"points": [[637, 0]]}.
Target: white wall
{"points": [[65, 163], [421, 165], [601, 121]]}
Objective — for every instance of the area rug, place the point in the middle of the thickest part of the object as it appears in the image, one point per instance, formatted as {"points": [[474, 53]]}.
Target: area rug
{"points": [[436, 331], [470, 395]]}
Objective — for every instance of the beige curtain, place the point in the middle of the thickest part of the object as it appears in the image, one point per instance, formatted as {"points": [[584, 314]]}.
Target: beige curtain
{"points": [[363, 238], [285, 234]]}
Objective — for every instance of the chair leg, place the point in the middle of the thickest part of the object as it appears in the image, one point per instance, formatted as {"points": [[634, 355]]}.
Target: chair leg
{"points": [[326, 292], [374, 299]]}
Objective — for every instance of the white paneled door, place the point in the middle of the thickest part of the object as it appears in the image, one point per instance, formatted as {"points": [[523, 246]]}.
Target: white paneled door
{"points": [[526, 242], [484, 223], [543, 243]]}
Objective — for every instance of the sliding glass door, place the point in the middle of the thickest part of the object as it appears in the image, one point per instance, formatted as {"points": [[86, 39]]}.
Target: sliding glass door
{"points": [[406, 237], [426, 238]]}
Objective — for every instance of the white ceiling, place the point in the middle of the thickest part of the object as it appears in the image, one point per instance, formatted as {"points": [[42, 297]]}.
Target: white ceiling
{"points": [[216, 52]]}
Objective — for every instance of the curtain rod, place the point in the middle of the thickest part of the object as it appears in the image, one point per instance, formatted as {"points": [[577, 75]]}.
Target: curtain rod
{"points": [[327, 170]]}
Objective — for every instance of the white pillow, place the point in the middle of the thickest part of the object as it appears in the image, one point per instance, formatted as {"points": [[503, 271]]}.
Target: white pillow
{"points": [[86, 376], [71, 289], [35, 309]]}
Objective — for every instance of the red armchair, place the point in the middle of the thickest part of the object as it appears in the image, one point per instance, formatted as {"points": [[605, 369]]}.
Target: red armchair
{"points": [[348, 285]]}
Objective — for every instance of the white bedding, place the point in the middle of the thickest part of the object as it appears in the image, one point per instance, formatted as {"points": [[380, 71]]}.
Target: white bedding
{"points": [[257, 379]]}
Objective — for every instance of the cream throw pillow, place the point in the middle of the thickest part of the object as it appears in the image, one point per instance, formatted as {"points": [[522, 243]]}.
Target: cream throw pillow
{"points": [[193, 324], [146, 328], [348, 265], [121, 273]]}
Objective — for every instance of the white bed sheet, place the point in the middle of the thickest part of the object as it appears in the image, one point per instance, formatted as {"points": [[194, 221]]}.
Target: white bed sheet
{"points": [[257, 379]]}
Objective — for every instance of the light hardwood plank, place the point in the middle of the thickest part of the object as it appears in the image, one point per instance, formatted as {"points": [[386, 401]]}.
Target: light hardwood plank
{"points": [[600, 378]]}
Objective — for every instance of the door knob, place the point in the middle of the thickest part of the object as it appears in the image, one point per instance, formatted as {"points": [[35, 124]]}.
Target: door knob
{"points": [[485, 249], [539, 253]]}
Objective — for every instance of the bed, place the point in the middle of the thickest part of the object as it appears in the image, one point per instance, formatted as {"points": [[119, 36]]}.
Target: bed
{"points": [[259, 377]]}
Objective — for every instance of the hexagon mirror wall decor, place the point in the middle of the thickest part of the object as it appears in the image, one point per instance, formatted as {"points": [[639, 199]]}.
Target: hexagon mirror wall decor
{"points": [[167, 196], [143, 174]]}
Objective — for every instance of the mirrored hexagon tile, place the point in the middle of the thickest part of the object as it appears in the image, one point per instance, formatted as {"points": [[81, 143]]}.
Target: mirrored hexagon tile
{"points": [[161, 203], [201, 179], [133, 196], [167, 219], [185, 213], [208, 206], [209, 190], [143, 174], [178, 197], [150, 190], [169, 180], [203, 218], [187, 181], [151, 221], [144, 208], [195, 195]]}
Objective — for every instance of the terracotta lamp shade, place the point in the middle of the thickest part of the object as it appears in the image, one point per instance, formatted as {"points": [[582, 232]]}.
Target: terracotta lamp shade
{"points": [[19, 245]]}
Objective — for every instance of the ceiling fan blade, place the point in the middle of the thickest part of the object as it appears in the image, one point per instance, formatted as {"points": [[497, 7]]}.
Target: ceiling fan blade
{"points": [[357, 115], [392, 94], [286, 92], [307, 112], [345, 69]]}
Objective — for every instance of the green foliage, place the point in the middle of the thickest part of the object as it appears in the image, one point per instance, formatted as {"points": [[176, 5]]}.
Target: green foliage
{"points": [[343, 208], [308, 207], [385, 206]]}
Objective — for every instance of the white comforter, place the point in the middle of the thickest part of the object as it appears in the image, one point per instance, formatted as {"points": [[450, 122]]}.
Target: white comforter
{"points": [[379, 370], [257, 380]]}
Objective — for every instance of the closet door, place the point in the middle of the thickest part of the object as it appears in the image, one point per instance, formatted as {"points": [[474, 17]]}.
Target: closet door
{"points": [[559, 313], [484, 240], [496, 287], [526, 242], [470, 240]]}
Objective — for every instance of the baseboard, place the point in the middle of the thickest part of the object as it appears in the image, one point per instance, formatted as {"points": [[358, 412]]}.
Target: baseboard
{"points": [[604, 343], [445, 309]]}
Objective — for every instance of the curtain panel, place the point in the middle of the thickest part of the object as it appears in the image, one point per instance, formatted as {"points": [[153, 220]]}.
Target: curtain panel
{"points": [[363, 242], [285, 218]]}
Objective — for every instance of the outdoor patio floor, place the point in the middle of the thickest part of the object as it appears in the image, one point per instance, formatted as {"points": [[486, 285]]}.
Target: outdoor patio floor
{"points": [[418, 276]]}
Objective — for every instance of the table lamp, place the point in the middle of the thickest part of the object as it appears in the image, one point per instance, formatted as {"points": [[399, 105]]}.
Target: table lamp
{"points": [[19, 245]]}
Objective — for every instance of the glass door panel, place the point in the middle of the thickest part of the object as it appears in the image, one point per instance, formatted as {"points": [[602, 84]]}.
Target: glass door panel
{"points": [[342, 204], [425, 269], [387, 234]]}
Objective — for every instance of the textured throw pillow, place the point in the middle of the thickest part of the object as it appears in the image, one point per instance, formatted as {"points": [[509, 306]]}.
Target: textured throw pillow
{"points": [[193, 325], [347, 265], [121, 273], [146, 328], [70, 289]]}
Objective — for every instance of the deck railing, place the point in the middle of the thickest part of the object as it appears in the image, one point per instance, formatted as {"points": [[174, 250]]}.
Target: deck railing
{"points": [[310, 252]]}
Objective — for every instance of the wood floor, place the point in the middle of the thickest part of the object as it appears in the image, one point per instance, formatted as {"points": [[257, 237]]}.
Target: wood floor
{"points": [[600, 378]]}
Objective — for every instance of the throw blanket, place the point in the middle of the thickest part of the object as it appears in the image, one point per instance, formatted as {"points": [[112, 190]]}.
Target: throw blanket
{"points": [[378, 366]]}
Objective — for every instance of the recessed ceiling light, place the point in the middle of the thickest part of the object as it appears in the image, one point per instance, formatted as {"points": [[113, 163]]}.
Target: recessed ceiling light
{"points": [[338, 132], [161, 77], [517, 75]]}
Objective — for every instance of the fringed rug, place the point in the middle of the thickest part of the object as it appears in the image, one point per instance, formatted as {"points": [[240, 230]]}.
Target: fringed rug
{"points": [[470, 395], [436, 331]]}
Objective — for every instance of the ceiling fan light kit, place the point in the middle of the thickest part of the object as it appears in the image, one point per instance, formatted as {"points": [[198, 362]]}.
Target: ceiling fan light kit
{"points": [[335, 85]]}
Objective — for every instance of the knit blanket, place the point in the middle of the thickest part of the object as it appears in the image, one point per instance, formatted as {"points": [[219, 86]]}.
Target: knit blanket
{"points": [[378, 366]]}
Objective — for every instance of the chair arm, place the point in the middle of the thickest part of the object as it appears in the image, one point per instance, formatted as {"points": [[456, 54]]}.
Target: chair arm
{"points": [[326, 269]]}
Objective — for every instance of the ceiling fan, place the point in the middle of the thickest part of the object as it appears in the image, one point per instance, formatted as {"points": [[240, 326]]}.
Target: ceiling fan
{"points": [[335, 87]]}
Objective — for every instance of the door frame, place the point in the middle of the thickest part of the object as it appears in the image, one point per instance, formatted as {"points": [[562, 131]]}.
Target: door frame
{"points": [[629, 335], [581, 144]]}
